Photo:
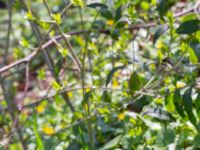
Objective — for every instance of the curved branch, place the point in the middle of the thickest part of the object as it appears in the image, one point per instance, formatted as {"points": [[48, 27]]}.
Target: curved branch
{"points": [[103, 31]]}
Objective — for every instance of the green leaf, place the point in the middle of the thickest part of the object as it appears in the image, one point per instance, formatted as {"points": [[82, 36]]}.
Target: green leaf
{"points": [[197, 35], [165, 137], [112, 143], [193, 57], [96, 5], [190, 16], [197, 104], [121, 22], [41, 73], [138, 105], [164, 6], [57, 18], [132, 12], [134, 82], [111, 73], [118, 13], [187, 103], [115, 34], [29, 15], [196, 141], [106, 96], [160, 31], [107, 14], [24, 42], [98, 24], [43, 24], [195, 45], [178, 103], [169, 103], [63, 51], [18, 53], [36, 133], [79, 3], [189, 27], [159, 114], [56, 85], [145, 5]]}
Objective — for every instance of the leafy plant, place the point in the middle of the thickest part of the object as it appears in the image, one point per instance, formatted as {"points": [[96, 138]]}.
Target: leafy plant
{"points": [[88, 74]]}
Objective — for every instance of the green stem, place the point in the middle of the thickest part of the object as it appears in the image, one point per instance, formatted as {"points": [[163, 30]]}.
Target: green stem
{"points": [[85, 50]]}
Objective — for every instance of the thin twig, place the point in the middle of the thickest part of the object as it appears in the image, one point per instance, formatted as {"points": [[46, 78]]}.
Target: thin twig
{"points": [[59, 37], [9, 3], [14, 128], [64, 95]]}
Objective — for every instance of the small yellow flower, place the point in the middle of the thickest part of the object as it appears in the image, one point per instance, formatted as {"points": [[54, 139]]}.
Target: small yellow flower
{"points": [[121, 116], [159, 45], [180, 84], [48, 130], [115, 83], [110, 22], [70, 94], [167, 80], [40, 108], [87, 90]]}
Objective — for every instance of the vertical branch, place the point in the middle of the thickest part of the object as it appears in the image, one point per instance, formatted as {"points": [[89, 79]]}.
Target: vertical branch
{"points": [[13, 130], [85, 37], [9, 4], [75, 58], [85, 52], [39, 37], [47, 6], [8, 100], [11, 110], [27, 78], [87, 110], [64, 95]]}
